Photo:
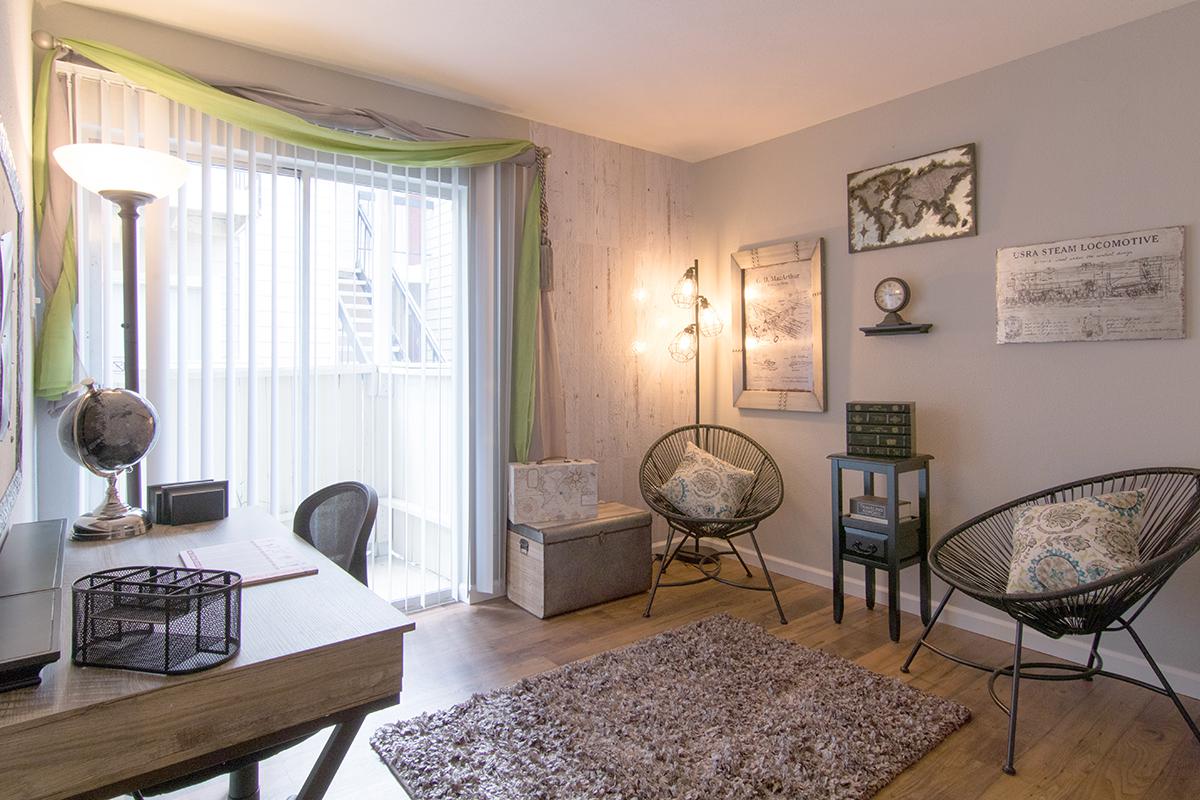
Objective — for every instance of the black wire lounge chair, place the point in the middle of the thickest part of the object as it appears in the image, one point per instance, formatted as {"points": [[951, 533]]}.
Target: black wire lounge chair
{"points": [[763, 499], [974, 559]]}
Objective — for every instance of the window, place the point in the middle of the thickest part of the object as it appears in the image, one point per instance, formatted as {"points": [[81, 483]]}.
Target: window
{"points": [[301, 325]]}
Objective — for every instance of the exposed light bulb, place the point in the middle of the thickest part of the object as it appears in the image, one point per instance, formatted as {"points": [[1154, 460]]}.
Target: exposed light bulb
{"points": [[683, 346], [710, 320], [684, 293], [639, 347]]}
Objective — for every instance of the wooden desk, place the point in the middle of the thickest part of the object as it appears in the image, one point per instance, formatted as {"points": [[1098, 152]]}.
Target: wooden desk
{"points": [[316, 651]]}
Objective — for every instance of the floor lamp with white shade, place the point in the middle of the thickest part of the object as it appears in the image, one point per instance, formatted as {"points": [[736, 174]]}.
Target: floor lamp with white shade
{"points": [[129, 177]]}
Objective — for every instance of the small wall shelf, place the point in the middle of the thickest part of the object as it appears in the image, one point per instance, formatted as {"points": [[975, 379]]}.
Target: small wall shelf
{"points": [[896, 330]]}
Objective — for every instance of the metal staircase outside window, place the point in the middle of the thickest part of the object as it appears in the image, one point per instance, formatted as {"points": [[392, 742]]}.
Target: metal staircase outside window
{"points": [[411, 337]]}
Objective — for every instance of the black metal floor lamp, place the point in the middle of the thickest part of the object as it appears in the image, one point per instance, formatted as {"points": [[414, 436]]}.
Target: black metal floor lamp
{"points": [[705, 322], [686, 347]]}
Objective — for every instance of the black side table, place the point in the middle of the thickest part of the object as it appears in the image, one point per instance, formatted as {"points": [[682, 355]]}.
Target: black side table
{"points": [[890, 546]]}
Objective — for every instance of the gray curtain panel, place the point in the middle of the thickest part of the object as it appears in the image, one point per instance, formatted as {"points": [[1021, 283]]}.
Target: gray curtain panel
{"points": [[355, 120]]}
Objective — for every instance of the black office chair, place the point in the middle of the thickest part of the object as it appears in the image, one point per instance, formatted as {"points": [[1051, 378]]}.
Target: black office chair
{"points": [[337, 520]]}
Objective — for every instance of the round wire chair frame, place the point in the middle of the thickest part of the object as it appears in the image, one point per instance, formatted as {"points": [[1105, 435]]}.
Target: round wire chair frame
{"points": [[974, 558], [762, 500]]}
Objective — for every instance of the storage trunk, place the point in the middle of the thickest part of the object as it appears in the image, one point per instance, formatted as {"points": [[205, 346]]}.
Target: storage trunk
{"points": [[561, 566]]}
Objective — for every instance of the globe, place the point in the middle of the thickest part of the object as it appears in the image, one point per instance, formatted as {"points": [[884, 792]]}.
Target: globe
{"points": [[108, 430]]}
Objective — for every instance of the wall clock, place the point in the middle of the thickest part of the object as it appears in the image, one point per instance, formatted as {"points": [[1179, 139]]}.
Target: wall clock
{"points": [[892, 296]]}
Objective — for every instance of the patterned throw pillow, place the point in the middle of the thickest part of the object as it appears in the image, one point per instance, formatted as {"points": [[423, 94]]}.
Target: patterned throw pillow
{"points": [[706, 487], [1065, 545]]}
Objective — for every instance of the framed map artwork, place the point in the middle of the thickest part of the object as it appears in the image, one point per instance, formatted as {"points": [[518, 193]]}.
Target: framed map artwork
{"points": [[779, 360], [923, 199]]}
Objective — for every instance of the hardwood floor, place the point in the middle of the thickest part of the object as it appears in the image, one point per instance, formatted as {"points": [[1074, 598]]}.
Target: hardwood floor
{"points": [[1076, 740]]}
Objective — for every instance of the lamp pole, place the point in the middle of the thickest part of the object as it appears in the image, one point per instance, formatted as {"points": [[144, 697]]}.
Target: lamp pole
{"points": [[129, 205], [696, 322], [686, 347]]}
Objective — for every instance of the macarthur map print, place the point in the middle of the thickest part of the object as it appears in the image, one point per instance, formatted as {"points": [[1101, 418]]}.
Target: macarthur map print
{"points": [[919, 200]]}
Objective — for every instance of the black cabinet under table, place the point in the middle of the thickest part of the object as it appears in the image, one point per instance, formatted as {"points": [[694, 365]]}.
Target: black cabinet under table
{"points": [[890, 546]]}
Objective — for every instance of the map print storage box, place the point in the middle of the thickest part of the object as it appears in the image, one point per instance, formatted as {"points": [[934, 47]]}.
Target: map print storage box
{"points": [[552, 490], [562, 566]]}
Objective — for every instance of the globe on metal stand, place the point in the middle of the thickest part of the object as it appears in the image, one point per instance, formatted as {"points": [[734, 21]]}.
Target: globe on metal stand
{"points": [[107, 431]]}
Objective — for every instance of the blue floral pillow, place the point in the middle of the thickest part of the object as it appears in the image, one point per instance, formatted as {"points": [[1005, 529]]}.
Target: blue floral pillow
{"points": [[706, 487], [1067, 545]]}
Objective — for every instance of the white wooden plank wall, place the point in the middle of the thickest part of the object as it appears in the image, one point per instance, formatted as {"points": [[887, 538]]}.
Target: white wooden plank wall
{"points": [[620, 220]]}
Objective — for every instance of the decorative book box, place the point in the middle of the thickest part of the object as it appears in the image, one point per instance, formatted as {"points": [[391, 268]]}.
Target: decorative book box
{"points": [[551, 490], [559, 567], [881, 429]]}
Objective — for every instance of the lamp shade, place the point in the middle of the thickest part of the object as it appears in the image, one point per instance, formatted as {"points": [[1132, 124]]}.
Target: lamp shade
{"points": [[119, 169], [684, 293], [710, 320], [683, 346]]}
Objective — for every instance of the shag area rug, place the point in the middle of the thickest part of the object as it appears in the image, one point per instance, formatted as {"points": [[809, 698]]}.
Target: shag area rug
{"points": [[715, 709]]}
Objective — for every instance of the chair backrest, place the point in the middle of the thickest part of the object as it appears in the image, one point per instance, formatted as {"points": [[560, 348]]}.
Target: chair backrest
{"points": [[975, 556], [727, 444], [337, 520]]}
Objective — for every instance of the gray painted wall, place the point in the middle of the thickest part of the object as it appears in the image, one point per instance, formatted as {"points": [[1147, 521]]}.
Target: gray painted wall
{"points": [[1096, 136]]}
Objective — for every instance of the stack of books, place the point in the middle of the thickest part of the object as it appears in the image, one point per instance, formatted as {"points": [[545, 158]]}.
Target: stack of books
{"points": [[873, 510], [881, 429]]}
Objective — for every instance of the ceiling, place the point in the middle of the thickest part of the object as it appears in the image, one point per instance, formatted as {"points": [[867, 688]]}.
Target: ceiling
{"points": [[688, 78]]}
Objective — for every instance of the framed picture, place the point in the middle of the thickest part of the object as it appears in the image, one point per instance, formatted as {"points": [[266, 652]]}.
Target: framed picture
{"points": [[779, 359], [922, 199], [1101, 288], [12, 218]]}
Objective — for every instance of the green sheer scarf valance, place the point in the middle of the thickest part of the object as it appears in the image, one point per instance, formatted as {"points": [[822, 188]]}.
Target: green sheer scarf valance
{"points": [[54, 368]]}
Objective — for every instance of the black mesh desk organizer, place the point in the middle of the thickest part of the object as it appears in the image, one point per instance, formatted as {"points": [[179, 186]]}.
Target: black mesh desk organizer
{"points": [[169, 620]]}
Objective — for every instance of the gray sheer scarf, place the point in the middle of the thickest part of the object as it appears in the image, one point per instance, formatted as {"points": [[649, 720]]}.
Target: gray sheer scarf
{"points": [[355, 120]]}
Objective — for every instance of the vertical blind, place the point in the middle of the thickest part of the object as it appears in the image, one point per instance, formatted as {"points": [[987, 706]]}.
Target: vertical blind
{"points": [[301, 324]]}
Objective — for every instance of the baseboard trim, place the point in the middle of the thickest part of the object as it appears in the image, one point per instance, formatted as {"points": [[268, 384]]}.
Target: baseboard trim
{"points": [[1075, 649]]}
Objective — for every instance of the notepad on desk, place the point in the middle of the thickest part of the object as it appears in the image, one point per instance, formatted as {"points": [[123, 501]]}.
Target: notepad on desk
{"points": [[256, 560]]}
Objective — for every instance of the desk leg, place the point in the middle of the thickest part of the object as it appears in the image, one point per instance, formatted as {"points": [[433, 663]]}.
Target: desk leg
{"points": [[835, 482], [331, 758]]}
